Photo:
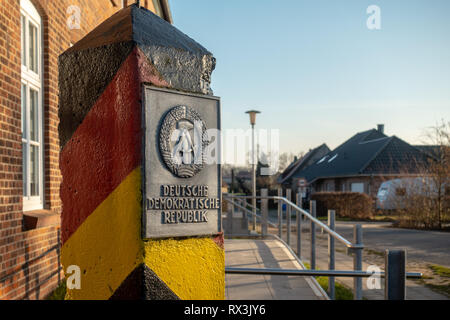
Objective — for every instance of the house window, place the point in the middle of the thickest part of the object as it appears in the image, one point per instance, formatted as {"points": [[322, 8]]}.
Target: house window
{"points": [[322, 160], [332, 158], [358, 187], [31, 96]]}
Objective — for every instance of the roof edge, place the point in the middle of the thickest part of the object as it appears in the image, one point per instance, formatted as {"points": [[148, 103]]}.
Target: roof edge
{"points": [[301, 161]]}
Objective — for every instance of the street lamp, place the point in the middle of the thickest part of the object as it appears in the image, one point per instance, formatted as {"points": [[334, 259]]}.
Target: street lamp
{"points": [[253, 114]]}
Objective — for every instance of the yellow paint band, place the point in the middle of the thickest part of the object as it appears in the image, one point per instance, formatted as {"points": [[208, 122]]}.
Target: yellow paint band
{"points": [[107, 246], [194, 269]]}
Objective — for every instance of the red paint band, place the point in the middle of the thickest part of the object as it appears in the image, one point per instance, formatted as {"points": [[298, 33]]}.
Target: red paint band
{"points": [[106, 147]]}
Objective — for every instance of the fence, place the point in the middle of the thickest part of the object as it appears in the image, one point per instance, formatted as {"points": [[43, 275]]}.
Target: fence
{"points": [[395, 260]]}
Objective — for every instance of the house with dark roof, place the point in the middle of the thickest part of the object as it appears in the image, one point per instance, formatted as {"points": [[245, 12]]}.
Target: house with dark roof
{"points": [[363, 162], [290, 177]]}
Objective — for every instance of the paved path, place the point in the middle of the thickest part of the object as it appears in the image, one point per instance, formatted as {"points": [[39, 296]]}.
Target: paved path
{"points": [[265, 254]]}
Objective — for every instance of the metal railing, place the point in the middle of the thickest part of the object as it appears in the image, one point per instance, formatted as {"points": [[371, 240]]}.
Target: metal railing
{"points": [[395, 261]]}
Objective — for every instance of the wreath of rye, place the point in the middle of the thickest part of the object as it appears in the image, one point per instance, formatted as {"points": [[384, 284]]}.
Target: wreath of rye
{"points": [[169, 124]]}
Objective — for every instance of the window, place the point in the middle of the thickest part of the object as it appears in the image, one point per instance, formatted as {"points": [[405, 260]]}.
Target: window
{"points": [[322, 160], [31, 96], [358, 187], [382, 193], [332, 158]]}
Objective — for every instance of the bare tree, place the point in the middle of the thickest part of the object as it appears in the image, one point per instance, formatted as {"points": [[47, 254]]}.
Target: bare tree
{"points": [[439, 167], [287, 158], [423, 202]]}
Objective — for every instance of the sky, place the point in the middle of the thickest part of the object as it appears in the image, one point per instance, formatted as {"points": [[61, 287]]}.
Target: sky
{"points": [[316, 71]]}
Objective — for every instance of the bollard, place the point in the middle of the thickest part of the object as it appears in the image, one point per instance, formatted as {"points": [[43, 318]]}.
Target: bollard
{"points": [[331, 254], [312, 205], [264, 211], [280, 214], [395, 277], [299, 226], [357, 261]]}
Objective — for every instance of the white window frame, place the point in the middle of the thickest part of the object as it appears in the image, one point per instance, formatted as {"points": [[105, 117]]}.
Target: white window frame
{"points": [[32, 80]]}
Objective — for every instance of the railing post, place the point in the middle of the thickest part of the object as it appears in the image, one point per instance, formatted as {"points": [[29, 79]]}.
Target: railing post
{"points": [[288, 217], [253, 202], [299, 226], [264, 211], [230, 215], [313, 235], [357, 261], [280, 214], [242, 202], [395, 277], [331, 255]]}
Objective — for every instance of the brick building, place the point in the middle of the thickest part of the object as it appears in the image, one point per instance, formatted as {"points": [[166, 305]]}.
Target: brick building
{"points": [[33, 33]]}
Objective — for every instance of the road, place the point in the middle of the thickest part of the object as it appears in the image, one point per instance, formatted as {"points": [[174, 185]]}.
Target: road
{"points": [[428, 246]]}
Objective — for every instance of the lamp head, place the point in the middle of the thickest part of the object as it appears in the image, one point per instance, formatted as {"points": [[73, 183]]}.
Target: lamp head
{"points": [[253, 114]]}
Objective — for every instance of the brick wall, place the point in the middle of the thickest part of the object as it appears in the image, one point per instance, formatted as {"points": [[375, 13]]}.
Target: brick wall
{"points": [[30, 264], [29, 258]]}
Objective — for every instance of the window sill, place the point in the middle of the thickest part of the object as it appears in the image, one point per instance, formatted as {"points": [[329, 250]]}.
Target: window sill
{"points": [[40, 219]]}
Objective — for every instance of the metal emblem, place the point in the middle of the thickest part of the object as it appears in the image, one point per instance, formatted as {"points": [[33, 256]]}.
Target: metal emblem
{"points": [[182, 141]]}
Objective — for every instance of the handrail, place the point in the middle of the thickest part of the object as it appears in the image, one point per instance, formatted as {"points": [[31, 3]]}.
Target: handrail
{"points": [[253, 214], [334, 234], [395, 273], [314, 273]]}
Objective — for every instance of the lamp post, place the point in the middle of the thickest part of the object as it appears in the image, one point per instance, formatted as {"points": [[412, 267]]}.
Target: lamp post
{"points": [[253, 114]]}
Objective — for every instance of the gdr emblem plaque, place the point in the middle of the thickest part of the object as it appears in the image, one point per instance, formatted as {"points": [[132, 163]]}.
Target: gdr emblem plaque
{"points": [[181, 173], [183, 141]]}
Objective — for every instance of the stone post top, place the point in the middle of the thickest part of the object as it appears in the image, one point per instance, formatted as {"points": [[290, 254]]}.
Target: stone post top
{"points": [[178, 59], [174, 60], [139, 25]]}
